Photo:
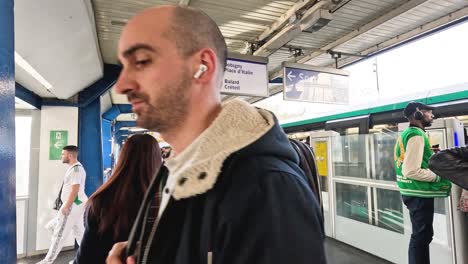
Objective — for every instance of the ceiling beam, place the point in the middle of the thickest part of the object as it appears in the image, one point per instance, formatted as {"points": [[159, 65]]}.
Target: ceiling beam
{"points": [[367, 27], [28, 96], [293, 29], [277, 72], [417, 32], [184, 2], [281, 22], [111, 73]]}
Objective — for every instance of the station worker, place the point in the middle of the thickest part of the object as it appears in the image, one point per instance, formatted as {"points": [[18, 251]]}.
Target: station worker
{"points": [[417, 183]]}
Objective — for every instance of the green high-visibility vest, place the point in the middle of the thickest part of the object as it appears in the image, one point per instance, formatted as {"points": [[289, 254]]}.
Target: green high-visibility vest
{"points": [[412, 187]]}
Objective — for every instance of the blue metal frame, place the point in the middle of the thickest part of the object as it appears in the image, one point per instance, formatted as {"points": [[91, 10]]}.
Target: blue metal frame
{"points": [[57, 102], [106, 143], [92, 92], [90, 144], [119, 124], [93, 133], [116, 110], [28, 96], [121, 133], [7, 134]]}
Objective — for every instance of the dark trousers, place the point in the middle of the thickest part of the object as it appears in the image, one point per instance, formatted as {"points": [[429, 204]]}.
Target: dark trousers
{"points": [[422, 215]]}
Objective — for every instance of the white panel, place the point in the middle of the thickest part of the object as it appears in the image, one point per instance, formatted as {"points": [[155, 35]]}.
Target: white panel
{"points": [[51, 172], [20, 225], [57, 39], [386, 244], [118, 98], [126, 117], [106, 102]]}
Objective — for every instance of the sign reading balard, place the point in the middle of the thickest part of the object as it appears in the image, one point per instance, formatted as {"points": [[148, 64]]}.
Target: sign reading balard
{"points": [[245, 75]]}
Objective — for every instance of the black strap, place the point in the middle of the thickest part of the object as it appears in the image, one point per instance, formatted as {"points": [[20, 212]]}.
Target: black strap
{"points": [[138, 226], [60, 192]]}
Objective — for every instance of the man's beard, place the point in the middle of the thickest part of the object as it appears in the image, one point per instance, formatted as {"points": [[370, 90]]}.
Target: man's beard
{"points": [[166, 111], [426, 123]]}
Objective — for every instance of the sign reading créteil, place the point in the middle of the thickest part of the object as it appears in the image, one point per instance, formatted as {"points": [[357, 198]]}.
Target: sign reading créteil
{"points": [[245, 75]]}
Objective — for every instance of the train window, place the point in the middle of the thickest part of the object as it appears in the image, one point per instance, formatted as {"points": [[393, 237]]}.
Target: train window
{"points": [[349, 156], [390, 210], [382, 153], [352, 202]]}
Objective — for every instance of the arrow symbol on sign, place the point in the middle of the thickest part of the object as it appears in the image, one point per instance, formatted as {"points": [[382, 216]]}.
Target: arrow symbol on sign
{"points": [[58, 144], [290, 76]]}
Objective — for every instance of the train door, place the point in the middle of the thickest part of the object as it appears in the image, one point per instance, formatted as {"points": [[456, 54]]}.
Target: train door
{"points": [[321, 144]]}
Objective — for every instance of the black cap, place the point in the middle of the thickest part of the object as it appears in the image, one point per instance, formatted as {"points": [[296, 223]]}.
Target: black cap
{"points": [[412, 107]]}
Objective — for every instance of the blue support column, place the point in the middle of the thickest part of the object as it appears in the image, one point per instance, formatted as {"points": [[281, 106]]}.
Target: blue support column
{"points": [[7, 134], [106, 144], [90, 145]]}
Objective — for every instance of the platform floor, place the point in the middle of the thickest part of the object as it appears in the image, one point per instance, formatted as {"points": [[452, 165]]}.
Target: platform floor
{"points": [[337, 253]]}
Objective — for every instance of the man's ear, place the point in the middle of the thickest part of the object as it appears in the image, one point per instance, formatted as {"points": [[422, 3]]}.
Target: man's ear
{"points": [[205, 65]]}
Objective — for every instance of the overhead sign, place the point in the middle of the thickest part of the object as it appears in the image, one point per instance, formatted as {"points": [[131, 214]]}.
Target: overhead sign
{"points": [[58, 140], [245, 75], [315, 84]]}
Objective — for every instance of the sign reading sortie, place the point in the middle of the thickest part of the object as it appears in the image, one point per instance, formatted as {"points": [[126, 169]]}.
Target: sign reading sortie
{"points": [[314, 84], [246, 75]]}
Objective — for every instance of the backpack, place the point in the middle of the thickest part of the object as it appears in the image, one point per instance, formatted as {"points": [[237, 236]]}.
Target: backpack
{"points": [[307, 164]]}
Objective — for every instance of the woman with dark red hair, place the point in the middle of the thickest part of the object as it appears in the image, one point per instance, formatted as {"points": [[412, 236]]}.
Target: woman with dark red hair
{"points": [[112, 209]]}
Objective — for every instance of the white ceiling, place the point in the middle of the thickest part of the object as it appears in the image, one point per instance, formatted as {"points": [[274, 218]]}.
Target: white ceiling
{"points": [[58, 39]]}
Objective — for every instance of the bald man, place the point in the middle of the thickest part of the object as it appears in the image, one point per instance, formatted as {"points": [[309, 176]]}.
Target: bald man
{"points": [[234, 192]]}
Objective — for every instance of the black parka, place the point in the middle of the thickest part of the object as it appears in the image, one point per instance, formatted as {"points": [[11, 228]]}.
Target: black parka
{"points": [[260, 211]]}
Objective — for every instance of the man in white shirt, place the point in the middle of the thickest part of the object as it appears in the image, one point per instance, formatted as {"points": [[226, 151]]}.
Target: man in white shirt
{"points": [[70, 215]]}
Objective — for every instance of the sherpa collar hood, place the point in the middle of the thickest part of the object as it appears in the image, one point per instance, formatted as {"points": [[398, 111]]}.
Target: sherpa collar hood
{"points": [[239, 127]]}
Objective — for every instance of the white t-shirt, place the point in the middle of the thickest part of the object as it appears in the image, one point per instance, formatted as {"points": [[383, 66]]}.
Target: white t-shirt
{"points": [[75, 175]]}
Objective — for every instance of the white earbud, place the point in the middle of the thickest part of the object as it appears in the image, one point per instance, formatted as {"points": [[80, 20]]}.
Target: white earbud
{"points": [[200, 71]]}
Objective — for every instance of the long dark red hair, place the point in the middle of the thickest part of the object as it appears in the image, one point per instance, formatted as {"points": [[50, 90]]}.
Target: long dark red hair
{"points": [[115, 204]]}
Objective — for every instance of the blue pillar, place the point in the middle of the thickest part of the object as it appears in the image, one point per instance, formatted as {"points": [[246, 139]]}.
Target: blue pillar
{"points": [[106, 144], [7, 134], [89, 144]]}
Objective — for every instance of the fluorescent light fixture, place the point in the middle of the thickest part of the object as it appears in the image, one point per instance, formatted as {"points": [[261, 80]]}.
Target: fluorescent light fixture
{"points": [[28, 68]]}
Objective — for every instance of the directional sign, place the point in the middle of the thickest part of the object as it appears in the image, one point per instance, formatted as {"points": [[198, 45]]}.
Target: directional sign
{"points": [[245, 75], [315, 84], [58, 140]]}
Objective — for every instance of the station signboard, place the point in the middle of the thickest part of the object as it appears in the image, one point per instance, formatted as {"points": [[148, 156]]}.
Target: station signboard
{"points": [[245, 75], [308, 83]]}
